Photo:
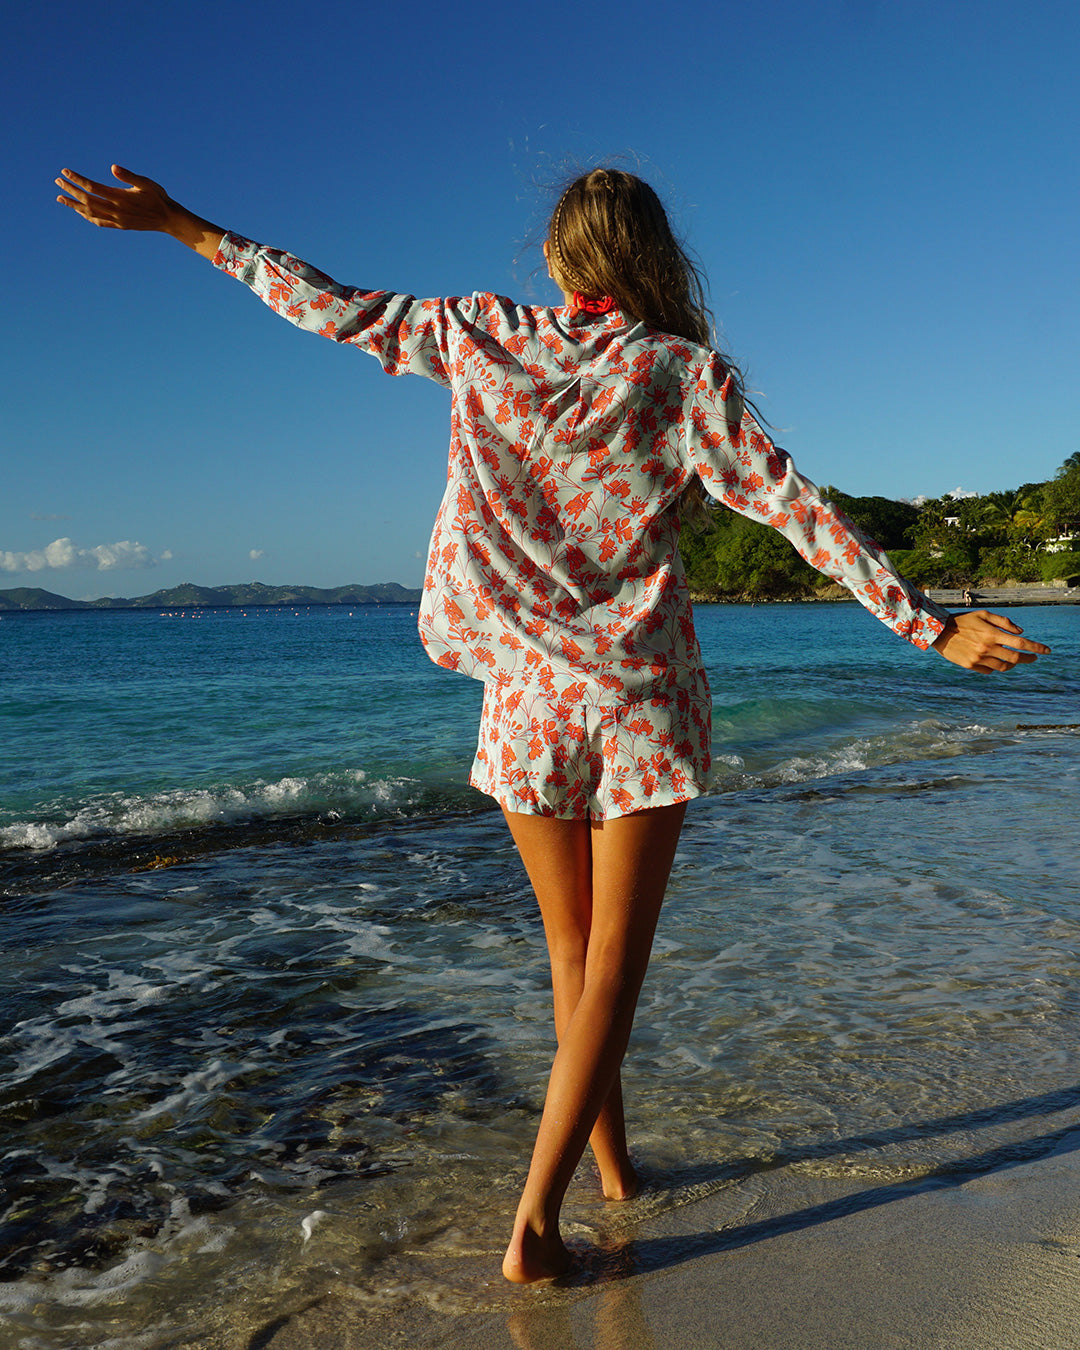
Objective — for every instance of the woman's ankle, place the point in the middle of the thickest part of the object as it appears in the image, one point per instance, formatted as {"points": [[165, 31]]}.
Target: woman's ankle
{"points": [[533, 1256], [620, 1182]]}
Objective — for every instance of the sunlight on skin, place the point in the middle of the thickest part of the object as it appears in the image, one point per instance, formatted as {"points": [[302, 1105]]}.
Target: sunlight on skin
{"points": [[600, 885], [975, 641], [141, 204]]}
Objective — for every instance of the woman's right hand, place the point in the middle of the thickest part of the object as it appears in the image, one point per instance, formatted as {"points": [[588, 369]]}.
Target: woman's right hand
{"points": [[140, 205], [979, 640]]}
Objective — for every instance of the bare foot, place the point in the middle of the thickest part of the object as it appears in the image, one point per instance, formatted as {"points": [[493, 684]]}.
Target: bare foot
{"points": [[531, 1257], [623, 1185]]}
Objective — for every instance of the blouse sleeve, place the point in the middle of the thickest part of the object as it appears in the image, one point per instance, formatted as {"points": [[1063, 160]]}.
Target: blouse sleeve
{"points": [[408, 336], [741, 467]]}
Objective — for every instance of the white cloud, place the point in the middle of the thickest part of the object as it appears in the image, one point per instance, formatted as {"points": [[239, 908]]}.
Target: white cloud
{"points": [[957, 494], [63, 553], [256, 553]]}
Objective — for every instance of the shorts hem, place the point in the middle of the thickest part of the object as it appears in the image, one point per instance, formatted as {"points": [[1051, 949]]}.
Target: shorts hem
{"points": [[570, 810]]}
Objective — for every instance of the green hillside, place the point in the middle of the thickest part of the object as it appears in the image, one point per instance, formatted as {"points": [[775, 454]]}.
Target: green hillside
{"points": [[1029, 533], [33, 597]]}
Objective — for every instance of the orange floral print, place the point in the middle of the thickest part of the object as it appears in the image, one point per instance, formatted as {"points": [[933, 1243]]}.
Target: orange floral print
{"points": [[541, 756], [554, 563]]}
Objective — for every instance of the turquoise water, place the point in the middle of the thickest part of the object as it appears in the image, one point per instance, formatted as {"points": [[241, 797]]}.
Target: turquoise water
{"points": [[128, 725], [282, 1062]]}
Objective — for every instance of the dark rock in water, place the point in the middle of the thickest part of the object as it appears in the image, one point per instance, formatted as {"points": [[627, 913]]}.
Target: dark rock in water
{"points": [[297, 1111]]}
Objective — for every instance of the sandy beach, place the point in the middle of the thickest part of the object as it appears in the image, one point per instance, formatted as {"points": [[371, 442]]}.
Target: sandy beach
{"points": [[815, 1263], [284, 1083]]}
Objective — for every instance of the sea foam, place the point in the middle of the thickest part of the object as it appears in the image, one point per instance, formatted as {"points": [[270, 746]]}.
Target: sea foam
{"points": [[333, 796]]}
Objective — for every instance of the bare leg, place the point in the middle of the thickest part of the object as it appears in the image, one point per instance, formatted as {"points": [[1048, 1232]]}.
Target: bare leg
{"points": [[630, 863], [559, 864]]}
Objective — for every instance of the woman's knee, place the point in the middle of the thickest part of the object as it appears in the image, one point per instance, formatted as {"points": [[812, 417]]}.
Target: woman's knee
{"points": [[568, 961], [614, 975]]}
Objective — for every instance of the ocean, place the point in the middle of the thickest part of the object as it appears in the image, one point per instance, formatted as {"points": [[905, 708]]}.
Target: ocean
{"points": [[274, 1012]]}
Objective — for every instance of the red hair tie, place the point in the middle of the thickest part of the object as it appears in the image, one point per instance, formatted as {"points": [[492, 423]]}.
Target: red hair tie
{"points": [[590, 305]]}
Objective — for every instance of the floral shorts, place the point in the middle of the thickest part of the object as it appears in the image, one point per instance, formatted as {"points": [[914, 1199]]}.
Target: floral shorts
{"points": [[551, 757]]}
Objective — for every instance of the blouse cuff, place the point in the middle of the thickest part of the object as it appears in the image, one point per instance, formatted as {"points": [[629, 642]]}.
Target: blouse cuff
{"points": [[924, 631], [235, 255]]}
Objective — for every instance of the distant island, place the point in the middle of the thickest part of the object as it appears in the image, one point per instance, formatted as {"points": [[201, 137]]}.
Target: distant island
{"points": [[251, 595], [1027, 534]]}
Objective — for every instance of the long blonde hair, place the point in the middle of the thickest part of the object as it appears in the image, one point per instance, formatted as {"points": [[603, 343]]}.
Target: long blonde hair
{"points": [[610, 235]]}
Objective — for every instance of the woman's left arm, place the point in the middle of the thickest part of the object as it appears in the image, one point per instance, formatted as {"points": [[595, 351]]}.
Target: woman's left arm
{"points": [[408, 336], [140, 205]]}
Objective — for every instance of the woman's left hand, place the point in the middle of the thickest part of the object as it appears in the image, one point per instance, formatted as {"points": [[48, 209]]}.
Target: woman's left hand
{"points": [[979, 640], [141, 205]]}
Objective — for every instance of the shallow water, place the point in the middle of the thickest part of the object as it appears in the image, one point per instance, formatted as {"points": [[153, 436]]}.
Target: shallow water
{"points": [[308, 1053]]}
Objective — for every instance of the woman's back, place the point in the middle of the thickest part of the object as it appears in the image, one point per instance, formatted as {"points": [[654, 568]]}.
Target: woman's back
{"points": [[554, 556], [557, 540]]}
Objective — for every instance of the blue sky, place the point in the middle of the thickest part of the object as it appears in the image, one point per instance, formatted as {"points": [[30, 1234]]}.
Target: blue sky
{"points": [[884, 197]]}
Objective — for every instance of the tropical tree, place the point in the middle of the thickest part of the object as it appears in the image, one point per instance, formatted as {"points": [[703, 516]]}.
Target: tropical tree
{"points": [[1061, 497], [888, 522], [948, 523], [1017, 516], [739, 557], [1008, 562]]}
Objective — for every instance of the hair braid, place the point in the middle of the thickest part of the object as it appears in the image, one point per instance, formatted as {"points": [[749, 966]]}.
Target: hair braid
{"points": [[556, 249]]}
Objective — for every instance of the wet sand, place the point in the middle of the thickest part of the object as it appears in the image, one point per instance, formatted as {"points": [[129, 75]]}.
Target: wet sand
{"points": [[814, 1263]]}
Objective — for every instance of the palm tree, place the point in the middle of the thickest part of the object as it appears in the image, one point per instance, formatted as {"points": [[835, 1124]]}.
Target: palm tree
{"points": [[1018, 516], [1062, 498]]}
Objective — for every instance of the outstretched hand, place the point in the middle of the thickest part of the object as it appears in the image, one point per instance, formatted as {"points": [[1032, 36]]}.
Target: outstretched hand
{"points": [[141, 204], [979, 640]]}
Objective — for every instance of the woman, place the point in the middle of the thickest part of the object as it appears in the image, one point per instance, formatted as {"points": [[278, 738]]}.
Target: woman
{"points": [[554, 576]]}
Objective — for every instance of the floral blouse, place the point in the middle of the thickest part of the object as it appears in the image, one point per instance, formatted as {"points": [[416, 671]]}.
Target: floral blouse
{"points": [[554, 558]]}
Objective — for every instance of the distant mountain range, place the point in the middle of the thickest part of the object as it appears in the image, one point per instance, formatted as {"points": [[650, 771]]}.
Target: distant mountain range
{"points": [[190, 596]]}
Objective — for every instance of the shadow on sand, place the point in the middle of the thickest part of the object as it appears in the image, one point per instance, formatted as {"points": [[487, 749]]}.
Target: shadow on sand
{"points": [[636, 1256], [617, 1319]]}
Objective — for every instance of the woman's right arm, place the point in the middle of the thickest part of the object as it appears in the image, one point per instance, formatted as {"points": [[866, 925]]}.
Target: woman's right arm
{"points": [[740, 466]]}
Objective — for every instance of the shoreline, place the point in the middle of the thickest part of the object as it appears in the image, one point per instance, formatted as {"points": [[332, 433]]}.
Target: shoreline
{"points": [[176, 607], [855, 1262], [1011, 596], [837, 595]]}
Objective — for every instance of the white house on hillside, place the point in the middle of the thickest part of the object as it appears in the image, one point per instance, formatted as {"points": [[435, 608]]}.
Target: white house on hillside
{"points": [[1063, 542]]}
